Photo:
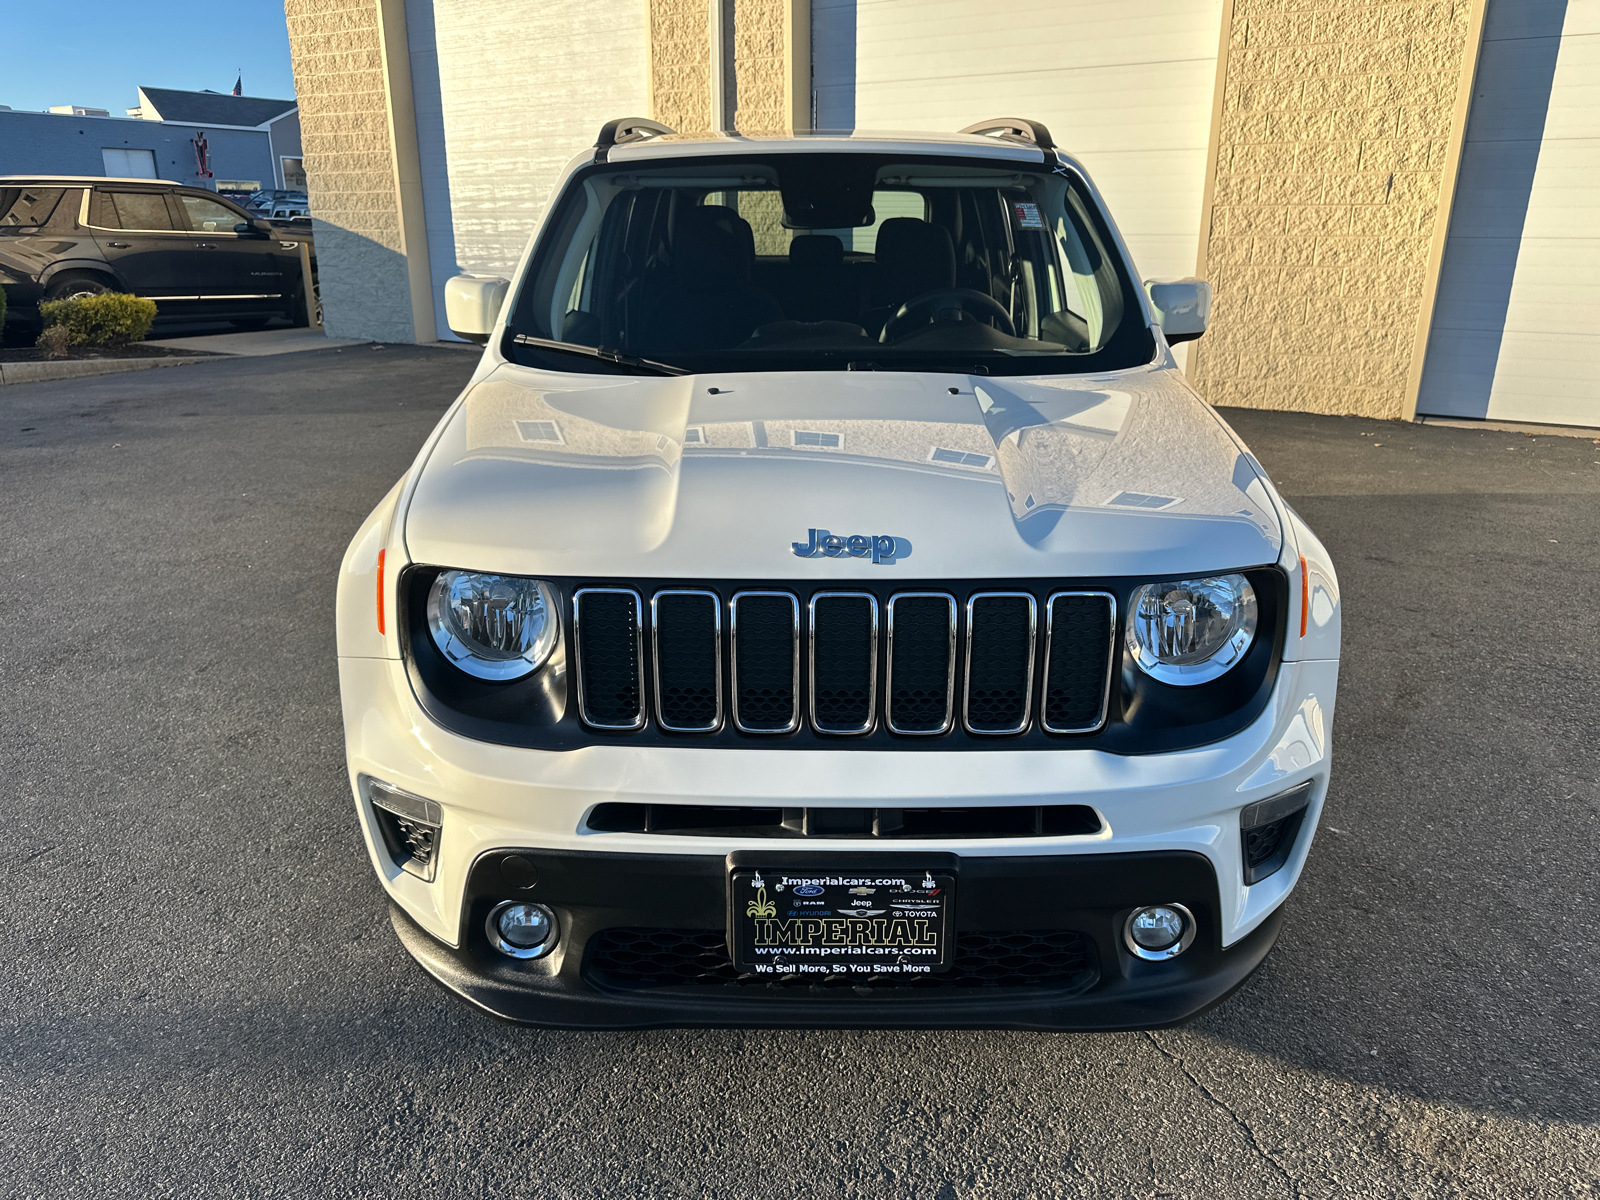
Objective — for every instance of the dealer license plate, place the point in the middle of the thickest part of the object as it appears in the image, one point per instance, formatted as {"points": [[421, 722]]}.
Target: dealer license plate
{"points": [[813, 922]]}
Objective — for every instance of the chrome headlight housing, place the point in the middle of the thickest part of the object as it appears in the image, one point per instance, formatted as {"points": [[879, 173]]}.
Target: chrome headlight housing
{"points": [[1191, 631], [495, 627]]}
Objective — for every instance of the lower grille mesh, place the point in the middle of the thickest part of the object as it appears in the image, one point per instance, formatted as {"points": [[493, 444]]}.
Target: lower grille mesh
{"points": [[644, 959]]}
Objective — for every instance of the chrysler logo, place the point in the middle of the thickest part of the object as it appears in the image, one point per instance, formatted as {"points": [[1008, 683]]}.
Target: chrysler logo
{"points": [[880, 546]]}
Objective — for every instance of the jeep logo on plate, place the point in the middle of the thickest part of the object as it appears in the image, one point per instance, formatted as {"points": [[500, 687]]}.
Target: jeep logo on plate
{"points": [[881, 547]]}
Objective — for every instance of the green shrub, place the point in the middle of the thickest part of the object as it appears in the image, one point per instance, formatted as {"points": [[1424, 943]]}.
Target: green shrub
{"points": [[111, 319]]}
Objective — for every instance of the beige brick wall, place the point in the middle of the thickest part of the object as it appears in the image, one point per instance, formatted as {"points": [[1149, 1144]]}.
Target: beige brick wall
{"points": [[1335, 125], [758, 60], [336, 54], [680, 64]]}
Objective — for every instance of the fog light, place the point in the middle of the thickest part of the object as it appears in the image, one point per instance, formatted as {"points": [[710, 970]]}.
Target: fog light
{"points": [[1159, 931], [522, 930]]}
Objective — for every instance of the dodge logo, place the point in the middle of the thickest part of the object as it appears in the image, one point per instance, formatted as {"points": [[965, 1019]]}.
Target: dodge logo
{"points": [[880, 546]]}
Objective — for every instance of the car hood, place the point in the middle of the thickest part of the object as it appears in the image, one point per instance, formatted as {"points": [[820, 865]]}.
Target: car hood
{"points": [[702, 477]]}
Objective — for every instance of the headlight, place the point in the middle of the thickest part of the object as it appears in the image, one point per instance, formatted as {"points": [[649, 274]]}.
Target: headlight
{"points": [[496, 627], [1193, 630]]}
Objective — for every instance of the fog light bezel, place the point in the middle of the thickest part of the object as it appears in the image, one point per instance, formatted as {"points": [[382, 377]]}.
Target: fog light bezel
{"points": [[491, 929], [1185, 939], [401, 805]]}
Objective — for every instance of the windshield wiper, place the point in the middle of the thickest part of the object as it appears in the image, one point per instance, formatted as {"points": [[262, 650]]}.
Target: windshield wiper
{"points": [[644, 366]]}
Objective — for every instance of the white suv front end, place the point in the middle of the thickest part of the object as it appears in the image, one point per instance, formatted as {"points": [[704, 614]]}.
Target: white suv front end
{"points": [[812, 616]]}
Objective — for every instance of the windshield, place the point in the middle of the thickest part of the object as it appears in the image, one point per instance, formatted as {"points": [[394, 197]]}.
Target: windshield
{"points": [[828, 262]]}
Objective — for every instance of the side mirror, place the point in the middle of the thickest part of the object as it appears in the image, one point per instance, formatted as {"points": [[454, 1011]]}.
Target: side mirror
{"points": [[1183, 306], [472, 305], [255, 229]]}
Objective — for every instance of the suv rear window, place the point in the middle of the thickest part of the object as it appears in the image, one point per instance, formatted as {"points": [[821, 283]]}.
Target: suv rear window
{"points": [[830, 262], [27, 207], [130, 210]]}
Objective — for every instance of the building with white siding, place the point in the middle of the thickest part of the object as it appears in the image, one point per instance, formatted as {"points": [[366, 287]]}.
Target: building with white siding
{"points": [[1392, 200]]}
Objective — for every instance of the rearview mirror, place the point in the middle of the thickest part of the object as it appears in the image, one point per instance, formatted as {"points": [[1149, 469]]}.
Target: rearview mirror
{"points": [[1183, 306], [472, 305]]}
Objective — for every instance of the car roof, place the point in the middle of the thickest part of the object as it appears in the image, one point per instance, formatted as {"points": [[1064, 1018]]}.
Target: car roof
{"points": [[15, 179], [693, 145]]}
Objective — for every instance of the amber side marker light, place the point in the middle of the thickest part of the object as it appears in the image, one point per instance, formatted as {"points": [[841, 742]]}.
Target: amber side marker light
{"points": [[382, 630], [1305, 594]]}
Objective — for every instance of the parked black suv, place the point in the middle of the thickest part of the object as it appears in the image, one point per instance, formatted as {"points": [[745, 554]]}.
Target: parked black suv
{"points": [[194, 253]]}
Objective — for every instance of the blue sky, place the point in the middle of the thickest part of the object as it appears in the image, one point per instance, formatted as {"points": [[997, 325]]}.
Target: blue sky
{"points": [[95, 53]]}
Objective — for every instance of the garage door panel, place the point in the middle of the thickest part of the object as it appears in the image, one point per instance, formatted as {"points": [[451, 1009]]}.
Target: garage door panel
{"points": [[1541, 18], [1086, 109], [1516, 327], [900, 42]]}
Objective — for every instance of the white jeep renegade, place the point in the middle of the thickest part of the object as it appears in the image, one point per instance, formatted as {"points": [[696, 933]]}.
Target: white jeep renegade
{"points": [[827, 604]]}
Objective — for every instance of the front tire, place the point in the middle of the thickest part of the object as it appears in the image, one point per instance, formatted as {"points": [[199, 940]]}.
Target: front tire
{"points": [[71, 285]]}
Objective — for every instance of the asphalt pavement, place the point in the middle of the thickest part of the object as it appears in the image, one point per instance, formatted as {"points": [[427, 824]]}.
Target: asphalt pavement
{"points": [[201, 995]]}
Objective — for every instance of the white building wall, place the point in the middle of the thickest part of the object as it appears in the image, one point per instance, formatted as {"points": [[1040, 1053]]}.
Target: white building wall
{"points": [[522, 88], [1516, 328], [1124, 85]]}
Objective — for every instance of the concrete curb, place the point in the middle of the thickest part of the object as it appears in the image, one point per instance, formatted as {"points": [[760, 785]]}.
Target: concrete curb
{"points": [[44, 372]]}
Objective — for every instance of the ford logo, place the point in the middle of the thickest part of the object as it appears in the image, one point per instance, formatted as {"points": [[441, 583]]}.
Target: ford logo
{"points": [[808, 889]]}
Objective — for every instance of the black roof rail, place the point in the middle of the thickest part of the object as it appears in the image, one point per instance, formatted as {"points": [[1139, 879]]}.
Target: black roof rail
{"points": [[624, 130], [1015, 129]]}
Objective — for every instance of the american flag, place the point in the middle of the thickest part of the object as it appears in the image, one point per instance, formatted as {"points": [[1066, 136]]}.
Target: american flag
{"points": [[238, 85]]}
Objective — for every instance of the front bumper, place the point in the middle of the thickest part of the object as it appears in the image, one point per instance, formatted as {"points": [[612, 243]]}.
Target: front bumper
{"points": [[667, 912], [1170, 833]]}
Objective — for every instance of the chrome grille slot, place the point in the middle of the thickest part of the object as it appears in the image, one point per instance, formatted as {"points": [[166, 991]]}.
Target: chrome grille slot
{"points": [[844, 662], [686, 631], [607, 626], [1079, 628], [765, 635], [919, 694], [999, 668]]}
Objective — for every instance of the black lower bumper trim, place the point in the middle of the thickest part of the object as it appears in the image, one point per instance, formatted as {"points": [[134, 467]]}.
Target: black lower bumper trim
{"points": [[597, 895]]}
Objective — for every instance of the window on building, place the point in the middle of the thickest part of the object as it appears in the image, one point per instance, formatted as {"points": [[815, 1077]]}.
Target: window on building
{"points": [[130, 210], [208, 216], [122, 163], [294, 174]]}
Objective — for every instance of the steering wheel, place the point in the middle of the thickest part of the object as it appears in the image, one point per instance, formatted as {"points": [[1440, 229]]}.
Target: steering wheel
{"points": [[946, 304]]}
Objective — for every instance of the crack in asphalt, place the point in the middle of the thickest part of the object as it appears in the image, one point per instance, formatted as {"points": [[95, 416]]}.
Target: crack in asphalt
{"points": [[1250, 1133]]}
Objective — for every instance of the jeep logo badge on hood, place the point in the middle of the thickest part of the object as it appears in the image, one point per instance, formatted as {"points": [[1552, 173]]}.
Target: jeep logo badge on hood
{"points": [[881, 546]]}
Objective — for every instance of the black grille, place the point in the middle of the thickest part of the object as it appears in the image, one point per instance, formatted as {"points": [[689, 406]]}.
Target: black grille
{"points": [[608, 657], [728, 820], [688, 637], [1001, 673], [642, 959], [1077, 660], [766, 640], [844, 661], [1000, 636], [922, 630]]}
